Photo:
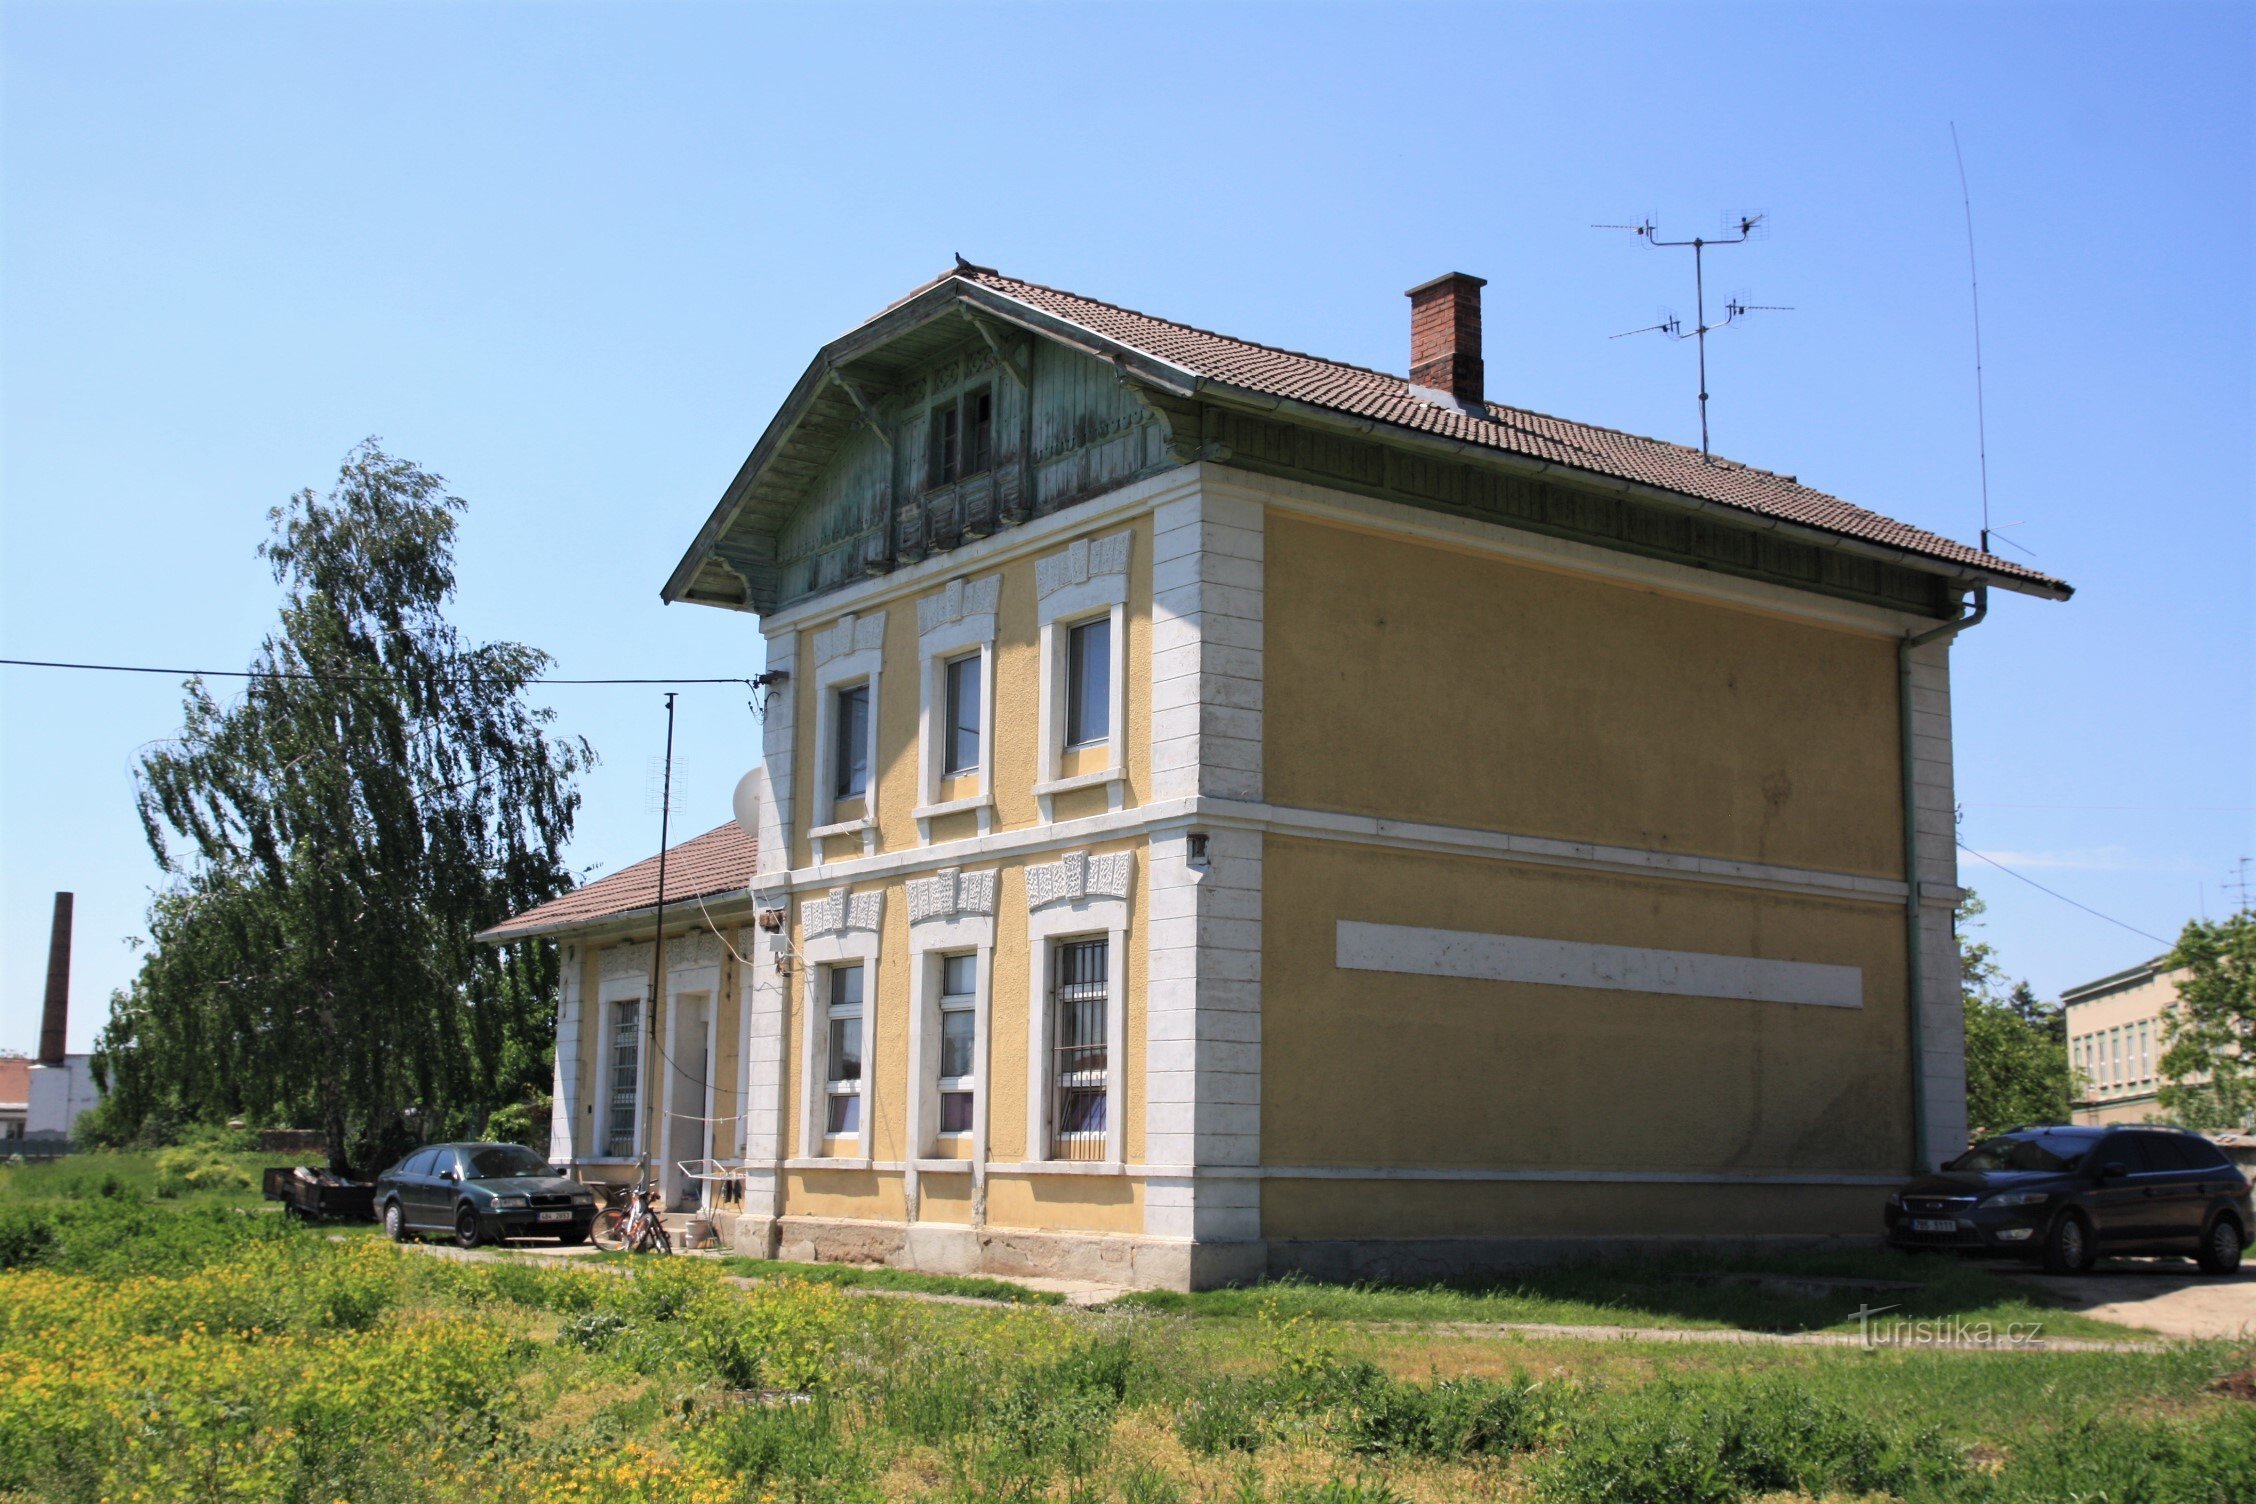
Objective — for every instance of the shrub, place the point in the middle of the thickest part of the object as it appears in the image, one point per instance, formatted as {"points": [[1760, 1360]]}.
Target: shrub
{"points": [[1677, 1443], [1222, 1415], [2127, 1462], [1447, 1418], [26, 1236]]}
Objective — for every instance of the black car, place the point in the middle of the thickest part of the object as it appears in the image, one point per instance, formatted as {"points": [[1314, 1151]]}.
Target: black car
{"points": [[2068, 1195], [481, 1192]]}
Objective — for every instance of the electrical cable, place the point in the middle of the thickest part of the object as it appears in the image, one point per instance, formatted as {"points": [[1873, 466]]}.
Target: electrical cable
{"points": [[305, 674], [2064, 898]]}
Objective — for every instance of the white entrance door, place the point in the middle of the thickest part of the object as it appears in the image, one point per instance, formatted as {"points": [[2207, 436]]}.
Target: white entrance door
{"points": [[687, 1095]]}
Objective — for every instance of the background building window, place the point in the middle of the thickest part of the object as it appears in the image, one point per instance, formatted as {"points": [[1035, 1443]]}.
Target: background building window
{"points": [[1088, 682], [851, 734], [961, 752], [959, 1040], [843, 1112], [1082, 1057], [626, 1069]]}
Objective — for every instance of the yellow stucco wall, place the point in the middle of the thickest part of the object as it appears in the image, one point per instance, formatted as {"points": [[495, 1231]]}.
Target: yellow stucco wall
{"points": [[1412, 681], [1013, 721], [2106, 1096], [723, 1068], [886, 1010], [1364, 1068], [1318, 1209]]}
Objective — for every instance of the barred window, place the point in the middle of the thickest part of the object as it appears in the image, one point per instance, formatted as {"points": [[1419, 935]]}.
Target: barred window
{"points": [[843, 1111], [1080, 1050], [626, 1072], [959, 1039]]}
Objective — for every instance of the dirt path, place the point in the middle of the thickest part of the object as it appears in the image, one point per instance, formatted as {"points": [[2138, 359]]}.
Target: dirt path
{"points": [[2168, 1296]]}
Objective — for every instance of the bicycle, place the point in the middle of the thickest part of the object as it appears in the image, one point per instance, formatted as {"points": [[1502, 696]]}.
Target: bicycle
{"points": [[631, 1221]]}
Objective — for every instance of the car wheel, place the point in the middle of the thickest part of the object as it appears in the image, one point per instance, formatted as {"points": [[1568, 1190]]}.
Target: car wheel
{"points": [[2068, 1248], [467, 1232], [395, 1222], [2220, 1245]]}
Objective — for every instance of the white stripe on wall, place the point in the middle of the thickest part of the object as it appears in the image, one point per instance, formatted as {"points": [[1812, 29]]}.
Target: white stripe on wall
{"points": [[1616, 968]]}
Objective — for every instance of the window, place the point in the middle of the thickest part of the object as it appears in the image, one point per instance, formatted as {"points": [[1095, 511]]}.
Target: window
{"points": [[1088, 682], [850, 740], [963, 433], [960, 752], [959, 1039], [626, 1068], [422, 1162], [1082, 1058], [844, 1113], [2146, 1052]]}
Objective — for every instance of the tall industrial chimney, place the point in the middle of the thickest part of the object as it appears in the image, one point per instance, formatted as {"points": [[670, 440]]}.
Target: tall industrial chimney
{"points": [[54, 1023]]}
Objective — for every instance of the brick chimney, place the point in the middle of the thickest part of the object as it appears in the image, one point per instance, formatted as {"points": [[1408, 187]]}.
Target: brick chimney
{"points": [[54, 1024], [1445, 340]]}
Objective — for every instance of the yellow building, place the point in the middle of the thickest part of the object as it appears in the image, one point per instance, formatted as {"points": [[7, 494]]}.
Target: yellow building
{"points": [[1224, 811], [2115, 1042]]}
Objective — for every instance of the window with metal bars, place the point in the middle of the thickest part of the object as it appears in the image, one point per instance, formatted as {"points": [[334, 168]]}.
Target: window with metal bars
{"points": [[1080, 1049], [626, 1069]]}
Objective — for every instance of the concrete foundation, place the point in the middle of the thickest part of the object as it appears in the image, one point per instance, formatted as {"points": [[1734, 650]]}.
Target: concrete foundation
{"points": [[1171, 1264]]}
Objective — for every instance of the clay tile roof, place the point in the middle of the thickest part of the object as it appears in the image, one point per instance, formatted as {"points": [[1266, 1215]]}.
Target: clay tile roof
{"points": [[1387, 399], [717, 862]]}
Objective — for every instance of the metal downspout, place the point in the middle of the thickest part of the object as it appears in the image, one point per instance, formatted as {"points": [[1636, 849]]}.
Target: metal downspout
{"points": [[1904, 648]]}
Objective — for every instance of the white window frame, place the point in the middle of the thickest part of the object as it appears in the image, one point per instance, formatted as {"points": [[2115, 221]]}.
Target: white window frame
{"points": [[821, 956], [1061, 609], [864, 663], [961, 620], [931, 942], [834, 1013], [1047, 928]]}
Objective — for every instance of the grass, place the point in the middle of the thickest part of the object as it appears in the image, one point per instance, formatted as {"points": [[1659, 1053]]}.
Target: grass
{"points": [[196, 1352], [881, 1277], [1754, 1294]]}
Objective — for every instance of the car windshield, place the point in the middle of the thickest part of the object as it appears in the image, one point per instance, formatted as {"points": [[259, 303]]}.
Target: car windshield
{"points": [[500, 1161], [2037, 1151]]}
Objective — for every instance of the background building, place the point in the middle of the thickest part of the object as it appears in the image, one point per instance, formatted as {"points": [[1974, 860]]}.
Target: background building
{"points": [[2116, 1044]]}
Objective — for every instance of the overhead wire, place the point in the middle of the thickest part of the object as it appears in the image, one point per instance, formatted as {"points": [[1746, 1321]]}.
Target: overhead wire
{"points": [[2064, 898]]}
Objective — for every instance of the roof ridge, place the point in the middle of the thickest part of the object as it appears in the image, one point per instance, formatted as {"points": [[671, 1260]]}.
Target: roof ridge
{"points": [[1349, 365], [1235, 339]]}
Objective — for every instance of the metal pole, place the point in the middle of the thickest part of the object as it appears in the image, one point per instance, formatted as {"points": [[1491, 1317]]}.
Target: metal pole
{"points": [[658, 941], [1700, 330]]}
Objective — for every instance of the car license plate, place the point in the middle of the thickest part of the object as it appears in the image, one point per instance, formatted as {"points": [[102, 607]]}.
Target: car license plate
{"points": [[556, 1216], [1933, 1224]]}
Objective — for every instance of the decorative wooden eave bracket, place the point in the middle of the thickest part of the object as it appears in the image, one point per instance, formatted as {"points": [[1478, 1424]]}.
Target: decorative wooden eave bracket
{"points": [[862, 405], [1005, 358]]}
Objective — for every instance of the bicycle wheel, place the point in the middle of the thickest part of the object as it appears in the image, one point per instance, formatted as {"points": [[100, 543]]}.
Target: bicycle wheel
{"points": [[661, 1241], [610, 1229]]}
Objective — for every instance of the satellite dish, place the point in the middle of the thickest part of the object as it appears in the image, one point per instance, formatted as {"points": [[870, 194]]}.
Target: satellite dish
{"points": [[751, 795]]}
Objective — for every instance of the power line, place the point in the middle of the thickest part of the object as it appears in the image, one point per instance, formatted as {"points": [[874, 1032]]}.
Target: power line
{"points": [[306, 674], [2064, 898]]}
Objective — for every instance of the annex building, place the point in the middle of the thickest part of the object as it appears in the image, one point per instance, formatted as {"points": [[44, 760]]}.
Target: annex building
{"points": [[1225, 811]]}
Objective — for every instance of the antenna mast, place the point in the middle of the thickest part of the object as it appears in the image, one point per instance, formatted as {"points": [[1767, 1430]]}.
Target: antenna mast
{"points": [[1740, 231], [1974, 282]]}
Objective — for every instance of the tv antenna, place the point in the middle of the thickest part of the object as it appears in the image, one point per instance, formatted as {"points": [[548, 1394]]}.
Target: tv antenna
{"points": [[1737, 231], [2240, 882]]}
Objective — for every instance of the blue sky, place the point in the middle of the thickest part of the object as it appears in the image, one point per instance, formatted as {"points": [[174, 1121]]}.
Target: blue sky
{"points": [[572, 256]]}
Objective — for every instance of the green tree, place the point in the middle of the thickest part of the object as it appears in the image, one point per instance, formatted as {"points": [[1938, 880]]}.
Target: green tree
{"points": [[336, 837], [2016, 1045], [2209, 1059]]}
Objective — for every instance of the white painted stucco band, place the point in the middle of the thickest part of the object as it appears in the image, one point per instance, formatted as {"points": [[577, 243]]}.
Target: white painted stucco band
{"points": [[1572, 963]]}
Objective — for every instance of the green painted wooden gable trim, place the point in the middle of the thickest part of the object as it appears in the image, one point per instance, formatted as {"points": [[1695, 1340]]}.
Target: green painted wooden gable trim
{"points": [[835, 489]]}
